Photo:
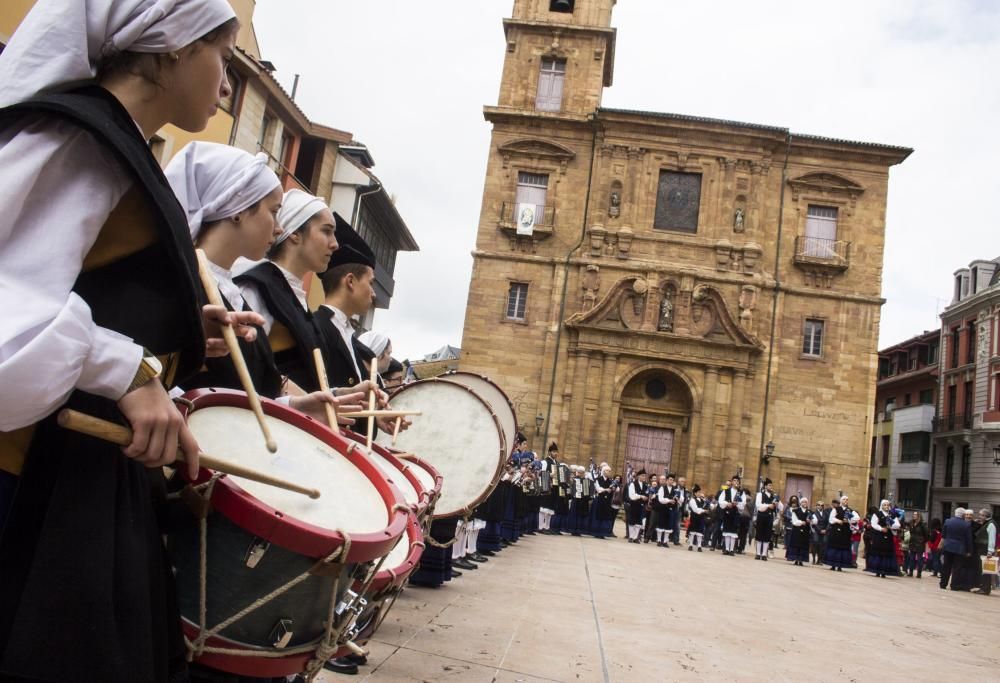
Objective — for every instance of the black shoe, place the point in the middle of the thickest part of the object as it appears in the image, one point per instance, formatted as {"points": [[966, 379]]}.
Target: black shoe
{"points": [[677, 542], [360, 660], [477, 557], [691, 548], [464, 563], [699, 550], [455, 573], [839, 569], [341, 665], [504, 542], [756, 557], [833, 569], [575, 533], [488, 553], [764, 557]]}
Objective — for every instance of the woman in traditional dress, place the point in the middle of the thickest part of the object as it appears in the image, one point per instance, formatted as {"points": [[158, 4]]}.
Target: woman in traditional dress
{"points": [[100, 295], [838, 537], [880, 554], [798, 538]]}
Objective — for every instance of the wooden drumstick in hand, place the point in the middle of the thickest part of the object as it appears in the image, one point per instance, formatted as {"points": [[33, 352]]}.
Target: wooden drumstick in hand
{"points": [[395, 431], [121, 435], [229, 335], [373, 364], [324, 386]]}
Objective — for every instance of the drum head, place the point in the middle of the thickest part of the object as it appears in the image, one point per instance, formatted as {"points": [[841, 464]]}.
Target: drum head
{"points": [[403, 474], [495, 396], [459, 434], [356, 497]]}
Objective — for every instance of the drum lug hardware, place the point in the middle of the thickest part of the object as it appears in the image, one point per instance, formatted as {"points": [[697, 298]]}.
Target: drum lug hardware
{"points": [[282, 633], [353, 603], [256, 551]]}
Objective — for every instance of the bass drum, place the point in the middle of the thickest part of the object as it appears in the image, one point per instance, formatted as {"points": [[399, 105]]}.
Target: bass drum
{"points": [[495, 396], [459, 434]]}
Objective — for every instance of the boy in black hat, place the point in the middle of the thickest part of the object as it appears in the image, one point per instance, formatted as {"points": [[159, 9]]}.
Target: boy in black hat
{"points": [[767, 507], [636, 505]]}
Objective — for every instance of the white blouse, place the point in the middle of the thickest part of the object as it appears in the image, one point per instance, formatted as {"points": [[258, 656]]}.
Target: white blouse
{"points": [[59, 187]]}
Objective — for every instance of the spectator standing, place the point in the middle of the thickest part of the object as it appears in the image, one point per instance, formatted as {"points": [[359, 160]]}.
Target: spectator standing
{"points": [[956, 544], [917, 545]]}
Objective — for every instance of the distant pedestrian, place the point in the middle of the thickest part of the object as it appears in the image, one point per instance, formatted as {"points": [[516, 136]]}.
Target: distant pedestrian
{"points": [[956, 545], [917, 545]]}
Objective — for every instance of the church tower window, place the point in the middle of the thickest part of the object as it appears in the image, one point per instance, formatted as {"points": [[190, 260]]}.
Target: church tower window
{"points": [[550, 84]]}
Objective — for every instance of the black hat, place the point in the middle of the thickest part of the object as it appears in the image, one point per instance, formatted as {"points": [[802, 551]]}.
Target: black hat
{"points": [[696, 488], [736, 476], [352, 248], [642, 471], [767, 481], [394, 367]]}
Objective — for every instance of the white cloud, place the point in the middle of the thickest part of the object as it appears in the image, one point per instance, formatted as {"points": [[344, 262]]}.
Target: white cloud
{"points": [[410, 80]]}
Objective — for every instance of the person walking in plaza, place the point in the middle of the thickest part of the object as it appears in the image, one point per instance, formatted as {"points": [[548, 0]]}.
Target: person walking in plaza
{"points": [[934, 547], [956, 544], [636, 504], [838, 539], [698, 515], [984, 541], [917, 545], [880, 553], [793, 502], [731, 503], [766, 505], [798, 539]]}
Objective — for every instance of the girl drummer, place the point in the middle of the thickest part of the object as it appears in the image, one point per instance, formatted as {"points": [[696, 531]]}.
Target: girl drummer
{"points": [[231, 199], [97, 268]]}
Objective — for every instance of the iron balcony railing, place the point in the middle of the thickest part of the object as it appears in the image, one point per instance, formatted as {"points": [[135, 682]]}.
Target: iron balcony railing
{"points": [[953, 422], [819, 250]]}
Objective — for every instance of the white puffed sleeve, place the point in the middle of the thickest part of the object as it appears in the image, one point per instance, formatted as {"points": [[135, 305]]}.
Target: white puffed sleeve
{"points": [[60, 185]]}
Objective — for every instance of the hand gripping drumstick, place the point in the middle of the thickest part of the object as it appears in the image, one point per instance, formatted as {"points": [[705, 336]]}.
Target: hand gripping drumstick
{"points": [[395, 430], [229, 334], [118, 434], [324, 385]]}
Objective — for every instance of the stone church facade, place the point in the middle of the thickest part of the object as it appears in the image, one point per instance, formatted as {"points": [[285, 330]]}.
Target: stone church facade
{"points": [[669, 290]]}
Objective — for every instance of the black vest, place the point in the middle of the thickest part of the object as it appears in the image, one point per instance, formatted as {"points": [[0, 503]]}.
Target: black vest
{"points": [[221, 373], [340, 367], [296, 360]]}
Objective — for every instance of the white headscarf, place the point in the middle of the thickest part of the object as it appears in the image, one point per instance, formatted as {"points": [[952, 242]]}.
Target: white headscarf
{"points": [[376, 341], [297, 208], [214, 181], [59, 43]]}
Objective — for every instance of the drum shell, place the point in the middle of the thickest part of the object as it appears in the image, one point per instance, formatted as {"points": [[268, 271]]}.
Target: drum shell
{"points": [[405, 469], [236, 520]]}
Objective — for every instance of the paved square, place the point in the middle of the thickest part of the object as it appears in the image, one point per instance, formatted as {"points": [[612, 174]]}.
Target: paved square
{"points": [[561, 608]]}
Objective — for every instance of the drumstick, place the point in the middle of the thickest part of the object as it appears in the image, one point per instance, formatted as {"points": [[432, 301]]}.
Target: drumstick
{"points": [[229, 334], [121, 435], [324, 386], [395, 431], [373, 364], [381, 413]]}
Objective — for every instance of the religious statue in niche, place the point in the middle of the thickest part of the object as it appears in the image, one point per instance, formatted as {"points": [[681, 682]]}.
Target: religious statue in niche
{"points": [[615, 204], [591, 284], [738, 220], [665, 323]]}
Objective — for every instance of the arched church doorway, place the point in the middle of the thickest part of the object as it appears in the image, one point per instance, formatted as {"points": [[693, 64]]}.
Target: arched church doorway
{"points": [[653, 423]]}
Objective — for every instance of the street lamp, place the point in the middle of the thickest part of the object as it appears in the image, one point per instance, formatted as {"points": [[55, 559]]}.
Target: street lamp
{"points": [[768, 452], [539, 421]]}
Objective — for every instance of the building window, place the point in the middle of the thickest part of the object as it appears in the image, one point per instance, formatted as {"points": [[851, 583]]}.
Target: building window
{"points": [[955, 339], [812, 340], [915, 447], [967, 407], [963, 478], [945, 509], [881, 489], [517, 300], [911, 493], [974, 281], [266, 136], [565, 6], [949, 466], [678, 199], [932, 353], [927, 397], [532, 188], [821, 232], [907, 399], [970, 343], [886, 447], [890, 407], [874, 449], [550, 84]]}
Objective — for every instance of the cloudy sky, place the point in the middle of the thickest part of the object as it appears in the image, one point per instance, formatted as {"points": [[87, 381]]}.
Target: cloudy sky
{"points": [[410, 79]]}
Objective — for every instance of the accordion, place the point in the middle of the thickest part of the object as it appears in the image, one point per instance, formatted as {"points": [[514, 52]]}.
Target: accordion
{"points": [[545, 481], [563, 474], [588, 488]]}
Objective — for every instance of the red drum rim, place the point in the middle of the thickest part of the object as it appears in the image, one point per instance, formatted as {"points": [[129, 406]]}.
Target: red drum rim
{"points": [[395, 577], [274, 526], [426, 497], [423, 464]]}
